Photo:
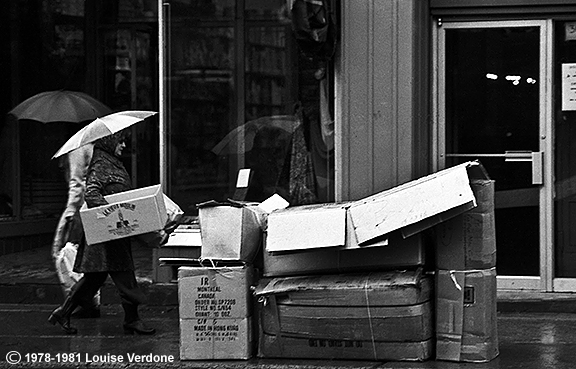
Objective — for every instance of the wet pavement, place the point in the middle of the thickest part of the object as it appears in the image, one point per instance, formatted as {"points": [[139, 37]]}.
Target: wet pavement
{"points": [[526, 340], [536, 331]]}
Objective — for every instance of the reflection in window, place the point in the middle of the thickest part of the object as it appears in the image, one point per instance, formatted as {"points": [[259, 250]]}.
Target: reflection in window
{"points": [[236, 80]]}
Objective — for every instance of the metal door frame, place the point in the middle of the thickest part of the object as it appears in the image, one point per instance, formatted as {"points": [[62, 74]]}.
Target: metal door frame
{"points": [[545, 281]]}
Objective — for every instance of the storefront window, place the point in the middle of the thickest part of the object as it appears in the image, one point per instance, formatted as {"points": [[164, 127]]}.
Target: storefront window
{"points": [[234, 78], [127, 32], [48, 54]]}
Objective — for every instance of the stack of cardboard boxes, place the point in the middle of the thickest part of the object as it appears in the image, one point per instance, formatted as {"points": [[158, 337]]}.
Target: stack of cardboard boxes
{"points": [[466, 325], [215, 297], [349, 280]]}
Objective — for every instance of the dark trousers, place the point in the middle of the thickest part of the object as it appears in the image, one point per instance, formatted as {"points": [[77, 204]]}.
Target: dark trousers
{"points": [[125, 282]]}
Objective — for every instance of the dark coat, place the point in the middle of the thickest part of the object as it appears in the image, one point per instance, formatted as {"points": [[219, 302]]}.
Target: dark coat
{"points": [[106, 175]]}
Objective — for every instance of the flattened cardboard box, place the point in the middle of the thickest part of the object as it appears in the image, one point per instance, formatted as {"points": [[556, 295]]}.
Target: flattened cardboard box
{"points": [[399, 252], [230, 232], [416, 205], [410, 208], [381, 315], [466, 315], [128, 213]]}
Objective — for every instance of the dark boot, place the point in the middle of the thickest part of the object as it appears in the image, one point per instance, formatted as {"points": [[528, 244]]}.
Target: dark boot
{"points": [[87, 312], [132, 322], [62, 315]]}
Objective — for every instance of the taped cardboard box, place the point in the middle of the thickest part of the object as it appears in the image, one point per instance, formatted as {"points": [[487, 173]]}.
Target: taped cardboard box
{"points": [[215, 308], [230, 230], [399, 252], [368, 316], [128, 213], [468, 241], [466, 315]]}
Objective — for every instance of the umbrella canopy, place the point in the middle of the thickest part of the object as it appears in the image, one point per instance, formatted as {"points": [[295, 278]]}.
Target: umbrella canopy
{"points": [[60, 106], [102, 127], [262, 133]]}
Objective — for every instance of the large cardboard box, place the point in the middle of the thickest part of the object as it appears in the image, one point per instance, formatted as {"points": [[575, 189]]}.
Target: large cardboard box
{"points": [[468, 241], [215, 308], [409, 208], [230, 231], [368, 316], [466, 315], [128, 213], [399, 252]]}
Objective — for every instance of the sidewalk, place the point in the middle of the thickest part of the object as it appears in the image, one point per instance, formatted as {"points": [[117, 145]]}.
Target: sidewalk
{"points": [[526, 341], [536, 331], [30, 277]]}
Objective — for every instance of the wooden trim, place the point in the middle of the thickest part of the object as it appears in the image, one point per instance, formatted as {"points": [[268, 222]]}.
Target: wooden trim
{"points": [[27, 227]]}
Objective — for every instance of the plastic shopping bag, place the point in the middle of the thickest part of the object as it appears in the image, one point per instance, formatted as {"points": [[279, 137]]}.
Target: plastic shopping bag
{"points": [[65, 269]]}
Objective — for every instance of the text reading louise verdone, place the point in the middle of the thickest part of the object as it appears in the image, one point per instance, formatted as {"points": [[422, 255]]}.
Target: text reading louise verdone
{"points": [[15, 357]]}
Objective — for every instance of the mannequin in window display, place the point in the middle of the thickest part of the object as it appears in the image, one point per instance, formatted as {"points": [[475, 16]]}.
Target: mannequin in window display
{"points": [[106, 175]]}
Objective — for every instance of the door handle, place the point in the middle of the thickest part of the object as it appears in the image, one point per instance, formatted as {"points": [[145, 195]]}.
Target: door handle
{"points": [[537, 159]]}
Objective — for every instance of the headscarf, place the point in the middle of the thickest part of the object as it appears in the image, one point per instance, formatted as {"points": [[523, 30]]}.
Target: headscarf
{"points": [[108, 143]]}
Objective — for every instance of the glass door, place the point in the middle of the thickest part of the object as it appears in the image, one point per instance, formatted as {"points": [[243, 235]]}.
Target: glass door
{"points": [[491, 87]]}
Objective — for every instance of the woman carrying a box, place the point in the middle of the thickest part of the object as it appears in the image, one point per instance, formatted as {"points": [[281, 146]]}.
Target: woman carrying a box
{"points": [[106, 175]]}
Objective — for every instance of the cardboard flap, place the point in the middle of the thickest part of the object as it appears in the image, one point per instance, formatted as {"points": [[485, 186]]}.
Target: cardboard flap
{"points": [[414, 202], [229, 202]]}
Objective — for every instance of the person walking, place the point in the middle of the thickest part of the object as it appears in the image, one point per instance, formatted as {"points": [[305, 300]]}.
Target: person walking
{"points": [[106, 175], [69, 232]]}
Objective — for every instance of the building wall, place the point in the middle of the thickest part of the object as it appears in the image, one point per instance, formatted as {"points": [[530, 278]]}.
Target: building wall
{"points": [[382, 96]]}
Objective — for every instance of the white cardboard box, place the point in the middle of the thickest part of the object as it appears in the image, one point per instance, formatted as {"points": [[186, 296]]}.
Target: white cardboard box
{"points": [[306, 226], [408, 208], [230, 232], [128, 213]]}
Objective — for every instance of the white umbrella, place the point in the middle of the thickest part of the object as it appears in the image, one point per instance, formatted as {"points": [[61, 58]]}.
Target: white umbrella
{"points": [[102, 127]]}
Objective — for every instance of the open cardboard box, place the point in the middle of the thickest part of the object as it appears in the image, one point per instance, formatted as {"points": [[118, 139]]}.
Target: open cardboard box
{"points": [[409, 208], [128, 213]]}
